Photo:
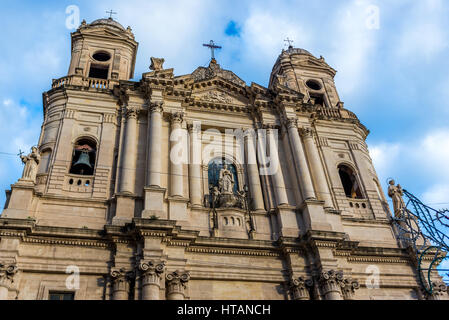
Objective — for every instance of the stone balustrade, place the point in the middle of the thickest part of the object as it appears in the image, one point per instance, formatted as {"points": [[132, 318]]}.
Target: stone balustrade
{"points": [[77, 80]]}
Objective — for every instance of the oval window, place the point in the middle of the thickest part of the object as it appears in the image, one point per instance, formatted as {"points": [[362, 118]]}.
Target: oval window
{"points": [[314, 85], [102, 56]]}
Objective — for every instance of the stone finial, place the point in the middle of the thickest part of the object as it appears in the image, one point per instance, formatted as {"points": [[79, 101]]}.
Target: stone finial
{"points": [[157, 64]]}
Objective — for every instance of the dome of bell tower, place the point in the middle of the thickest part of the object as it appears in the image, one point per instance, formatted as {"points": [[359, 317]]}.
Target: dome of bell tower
{"points": [[109, 22]]}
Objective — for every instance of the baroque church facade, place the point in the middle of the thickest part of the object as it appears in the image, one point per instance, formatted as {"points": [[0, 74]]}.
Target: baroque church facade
{"points": [[197, 186]]}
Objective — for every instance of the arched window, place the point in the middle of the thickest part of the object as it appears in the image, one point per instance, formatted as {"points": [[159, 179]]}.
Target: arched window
{"points": [[349, 182], [222, 174], [83, 158]]}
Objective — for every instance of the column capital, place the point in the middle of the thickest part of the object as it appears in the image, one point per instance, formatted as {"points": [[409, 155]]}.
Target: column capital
{"points": [[291, 123], [131, 112], [439, 289], [152, 271], [348, 287], [119, 275], [7, 273], [306, 132], [177, 117], [330, 281], [152, 267], [156, 106], [176, 281], [194, 127], [300, 288]]}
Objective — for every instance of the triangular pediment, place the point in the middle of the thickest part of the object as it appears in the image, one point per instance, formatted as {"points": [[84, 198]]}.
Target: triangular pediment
{"points": [[220, 96]]}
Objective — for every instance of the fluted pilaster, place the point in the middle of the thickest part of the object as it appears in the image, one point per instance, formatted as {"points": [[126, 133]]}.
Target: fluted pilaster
{"points": [[129, 154], [195, 164], [176, 161], [300, 159], [154, 148], [316, 167]]}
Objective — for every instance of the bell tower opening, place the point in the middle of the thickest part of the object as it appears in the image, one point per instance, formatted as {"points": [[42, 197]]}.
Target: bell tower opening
{"points": [[99, 71], [83, 158]]}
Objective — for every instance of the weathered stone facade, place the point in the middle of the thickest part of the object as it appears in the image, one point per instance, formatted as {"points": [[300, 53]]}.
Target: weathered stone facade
{"points": [[107, 200]]}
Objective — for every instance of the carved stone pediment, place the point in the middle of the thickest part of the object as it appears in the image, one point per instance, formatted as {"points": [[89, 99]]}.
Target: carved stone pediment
{"points": [[218, 96]]}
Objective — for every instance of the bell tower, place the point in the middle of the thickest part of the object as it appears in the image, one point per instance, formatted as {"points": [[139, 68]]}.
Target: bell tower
{"points": [[103, 49], [299, 70]]}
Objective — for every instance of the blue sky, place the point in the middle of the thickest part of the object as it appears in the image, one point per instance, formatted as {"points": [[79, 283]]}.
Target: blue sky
{"points": [[393, 77]]}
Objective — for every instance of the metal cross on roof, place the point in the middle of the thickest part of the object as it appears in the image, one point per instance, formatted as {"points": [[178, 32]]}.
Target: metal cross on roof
{"points": [[289, 42], [20, 153], [111, 13], [212, 46]]}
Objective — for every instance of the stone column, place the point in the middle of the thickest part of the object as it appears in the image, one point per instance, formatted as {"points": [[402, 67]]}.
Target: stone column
{"points": [[253, 172], [195, 186], [300, 288], [278, 179], [176, 284], [151, 278], [129, 155], [321, 186], [155, 143], [176, 172], [300, 159], [7, 272], [330, 284], [120, 284]]}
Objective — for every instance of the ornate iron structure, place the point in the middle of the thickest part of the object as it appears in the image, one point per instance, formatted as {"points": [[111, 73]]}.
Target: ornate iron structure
{"points": [[425, 231]]}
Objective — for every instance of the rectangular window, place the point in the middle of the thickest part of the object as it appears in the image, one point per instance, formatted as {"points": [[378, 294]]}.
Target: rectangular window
{"points": [[55, 295]]}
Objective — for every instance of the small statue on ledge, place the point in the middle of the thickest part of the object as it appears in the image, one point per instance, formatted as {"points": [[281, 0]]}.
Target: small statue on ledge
{"points": [[396, 193], [31, 162], [157, 64]]}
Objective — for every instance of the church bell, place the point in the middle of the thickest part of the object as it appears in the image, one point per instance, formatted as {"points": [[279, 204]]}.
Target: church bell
{"points": [[83, 163]]}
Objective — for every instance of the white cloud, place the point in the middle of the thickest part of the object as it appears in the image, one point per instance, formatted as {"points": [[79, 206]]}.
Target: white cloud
{"points": [[426, 159], [19, 130], [423, 33]]}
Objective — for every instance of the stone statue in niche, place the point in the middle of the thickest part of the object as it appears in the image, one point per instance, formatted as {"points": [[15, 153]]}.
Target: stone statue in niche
{"points": [[226, 181], [396, 193], [223, 184], [31, 162]]}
